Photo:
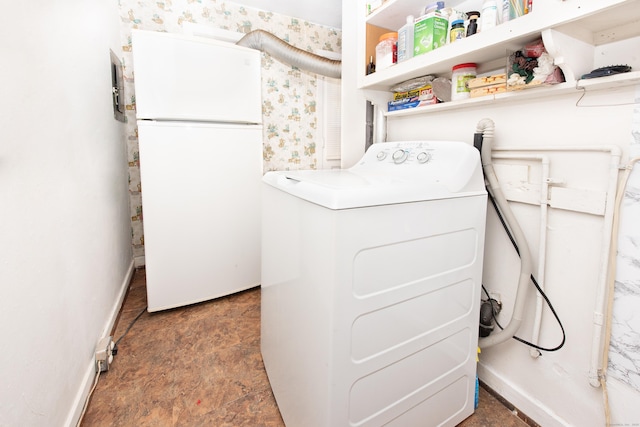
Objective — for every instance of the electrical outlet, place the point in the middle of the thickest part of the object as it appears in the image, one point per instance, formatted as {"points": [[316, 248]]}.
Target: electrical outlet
{"points": [[104, 354]]}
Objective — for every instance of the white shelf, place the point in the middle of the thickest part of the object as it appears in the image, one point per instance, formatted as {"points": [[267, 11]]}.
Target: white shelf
{"points": [[601, 83], [519, 95], [479, 48], [576, 23], [393, 14], [610, 82]]}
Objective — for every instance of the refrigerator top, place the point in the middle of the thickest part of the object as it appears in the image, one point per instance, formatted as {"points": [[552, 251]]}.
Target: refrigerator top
{"points": [[180, 77]]}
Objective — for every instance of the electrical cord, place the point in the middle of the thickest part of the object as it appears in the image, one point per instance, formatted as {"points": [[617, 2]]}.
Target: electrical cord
{"points": [[115, 347], [533, 280], [86, 402]]}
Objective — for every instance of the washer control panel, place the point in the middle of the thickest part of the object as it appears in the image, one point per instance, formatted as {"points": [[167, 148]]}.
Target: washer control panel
{"points": [[404, 152], [426, 160]]}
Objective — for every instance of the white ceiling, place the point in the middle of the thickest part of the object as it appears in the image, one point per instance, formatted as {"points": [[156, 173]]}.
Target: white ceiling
{"points": [[325, 12]]}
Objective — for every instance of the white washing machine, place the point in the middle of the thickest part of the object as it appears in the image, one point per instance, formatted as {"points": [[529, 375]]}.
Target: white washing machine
{"points": [[371, 281]]}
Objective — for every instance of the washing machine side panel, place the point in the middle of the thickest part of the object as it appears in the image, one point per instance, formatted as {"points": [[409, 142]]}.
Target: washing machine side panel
{"points": [[342, 352], [297, 272], [406, 309]]}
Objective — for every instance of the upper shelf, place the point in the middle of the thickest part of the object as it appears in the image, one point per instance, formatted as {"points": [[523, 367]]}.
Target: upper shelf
{"points": [[588, 23], [393, 13]]}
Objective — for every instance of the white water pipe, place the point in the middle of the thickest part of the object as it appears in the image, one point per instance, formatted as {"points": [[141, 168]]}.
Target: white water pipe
{"points": [[595, 371], [542, 249], [611, 283], [486, 127]]}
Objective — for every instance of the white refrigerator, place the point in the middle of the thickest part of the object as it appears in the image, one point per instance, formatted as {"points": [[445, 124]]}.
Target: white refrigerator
{"points": [[199, 116]]}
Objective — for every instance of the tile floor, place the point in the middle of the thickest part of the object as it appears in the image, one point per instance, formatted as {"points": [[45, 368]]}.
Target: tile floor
{"points": [[201, 366]]}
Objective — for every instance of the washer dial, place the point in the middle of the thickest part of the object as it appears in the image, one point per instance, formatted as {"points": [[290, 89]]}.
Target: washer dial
{"points": [[423, 157], [400, 156]]}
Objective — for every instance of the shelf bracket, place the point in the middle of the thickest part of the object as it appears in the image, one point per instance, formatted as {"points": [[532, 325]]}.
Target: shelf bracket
{"points": [[573, 56]]}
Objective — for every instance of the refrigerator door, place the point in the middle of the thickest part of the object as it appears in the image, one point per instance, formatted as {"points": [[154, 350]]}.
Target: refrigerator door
{"points": [[201, 207], [180, 77]]}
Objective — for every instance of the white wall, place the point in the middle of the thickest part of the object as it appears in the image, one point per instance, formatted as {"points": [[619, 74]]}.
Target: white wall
{"points": [[65, 251]]}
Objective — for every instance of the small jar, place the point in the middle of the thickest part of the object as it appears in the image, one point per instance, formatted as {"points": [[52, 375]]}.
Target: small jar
{"points": [[460, 75], [457, 30], [386, 51]]}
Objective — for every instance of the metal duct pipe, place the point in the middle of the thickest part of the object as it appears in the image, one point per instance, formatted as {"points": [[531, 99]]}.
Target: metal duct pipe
{"points": [[266, 42]]}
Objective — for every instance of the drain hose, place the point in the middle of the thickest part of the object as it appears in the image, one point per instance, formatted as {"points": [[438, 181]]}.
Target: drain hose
{"points": [[266, 42], [486, 127]]}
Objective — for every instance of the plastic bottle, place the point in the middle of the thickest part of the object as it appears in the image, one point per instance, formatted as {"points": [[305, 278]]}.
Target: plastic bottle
{"points": [[457, 30], [371, 67], [405, 40], [460, 74], [489, 14], [439, 5], [472, 26], [386, 51], [506, 11]]}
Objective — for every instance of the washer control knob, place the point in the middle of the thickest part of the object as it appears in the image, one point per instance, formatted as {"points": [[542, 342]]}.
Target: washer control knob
{"points": [[400, 156], [381, 155], [423, 157]]}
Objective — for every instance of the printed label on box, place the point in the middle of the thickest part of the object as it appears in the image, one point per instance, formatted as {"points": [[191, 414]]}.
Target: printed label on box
{"points": [[430, 32]]}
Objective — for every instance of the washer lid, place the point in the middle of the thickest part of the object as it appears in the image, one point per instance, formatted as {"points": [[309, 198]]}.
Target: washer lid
{"points": [[390, 173]]}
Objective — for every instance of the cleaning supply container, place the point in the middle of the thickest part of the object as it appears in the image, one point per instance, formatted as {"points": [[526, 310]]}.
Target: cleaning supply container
{"points": [[386, 51], [460, 75], [405, 40]]}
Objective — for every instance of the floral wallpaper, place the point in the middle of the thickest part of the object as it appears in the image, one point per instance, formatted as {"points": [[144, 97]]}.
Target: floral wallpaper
{"points": [[289, 95]]}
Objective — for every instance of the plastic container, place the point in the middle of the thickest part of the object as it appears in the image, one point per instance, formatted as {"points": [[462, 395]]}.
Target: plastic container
{"points": [[386, 51], [460, 75], [432, 7], [472, 26], [405, 40], [505, 12], [457, 30], [489, 14]]}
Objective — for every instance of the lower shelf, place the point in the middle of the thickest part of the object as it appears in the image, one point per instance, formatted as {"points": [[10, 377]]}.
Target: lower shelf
{"points": [[602, 83]]}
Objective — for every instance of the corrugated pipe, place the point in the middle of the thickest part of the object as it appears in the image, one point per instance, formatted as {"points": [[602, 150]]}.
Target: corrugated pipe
{"points": [[486, 127], [266, 42]]}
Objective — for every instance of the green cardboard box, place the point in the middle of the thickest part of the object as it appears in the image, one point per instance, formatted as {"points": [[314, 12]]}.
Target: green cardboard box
{"points": [[430, 32]]}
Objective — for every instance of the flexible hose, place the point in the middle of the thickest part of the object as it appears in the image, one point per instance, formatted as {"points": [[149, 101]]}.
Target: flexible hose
{"points": [[486, 127], [266, 42]]}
